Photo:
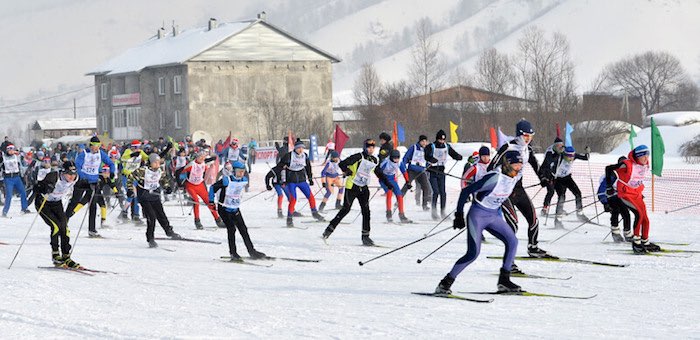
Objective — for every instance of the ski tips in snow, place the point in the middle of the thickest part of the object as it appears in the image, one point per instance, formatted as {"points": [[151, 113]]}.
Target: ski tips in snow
{"points": [[452, 296]]}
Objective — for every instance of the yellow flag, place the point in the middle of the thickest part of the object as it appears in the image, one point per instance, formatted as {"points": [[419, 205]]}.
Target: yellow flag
{"points": [[453, 132]]}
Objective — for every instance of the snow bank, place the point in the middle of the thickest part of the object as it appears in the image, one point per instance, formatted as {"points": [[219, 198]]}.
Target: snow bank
{"points": [[675, 118], [674, 137]]}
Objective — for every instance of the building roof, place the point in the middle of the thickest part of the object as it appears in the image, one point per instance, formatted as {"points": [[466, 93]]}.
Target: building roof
{"points": [[65, 124], [344, 115], [466, 94], [178, 49]]}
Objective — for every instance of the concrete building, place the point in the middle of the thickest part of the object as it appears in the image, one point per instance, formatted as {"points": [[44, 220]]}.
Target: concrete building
{"points": [[608, 106], [59, 127], [246, 77]]}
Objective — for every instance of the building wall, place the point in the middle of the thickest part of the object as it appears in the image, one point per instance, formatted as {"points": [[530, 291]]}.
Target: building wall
{"points": [[153, 104], [228, 96]]}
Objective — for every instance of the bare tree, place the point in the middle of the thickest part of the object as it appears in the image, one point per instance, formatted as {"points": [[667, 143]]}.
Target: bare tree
{"points": [[494, 73], [367, 87], [653, 76], [428, 66]]}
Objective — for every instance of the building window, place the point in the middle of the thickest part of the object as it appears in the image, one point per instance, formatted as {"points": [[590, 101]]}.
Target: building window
{"points": [[178, 121], [133, 116], [161, 86], [162, 120], [105, 126], [103, 91], [177, 84], [119, 118]]}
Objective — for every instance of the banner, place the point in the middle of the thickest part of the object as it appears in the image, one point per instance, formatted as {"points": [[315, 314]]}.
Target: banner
{"points": [[340, 139], [494, 138], [503, 138], [657, 150], [395, 136], [632, 135], [567, 136], [313, 148], [453, 132], [267, 154], [401, 132]]}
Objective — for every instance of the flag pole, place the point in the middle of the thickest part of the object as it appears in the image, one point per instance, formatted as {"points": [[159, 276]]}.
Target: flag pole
{"points": [[652, 192]]}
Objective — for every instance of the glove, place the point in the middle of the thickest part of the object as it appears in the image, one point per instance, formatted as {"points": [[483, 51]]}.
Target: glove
{"points": [[212, 205], [311, 181], [408, 186], [544, 182], [268, 187], [135, 154], [130, 193], [168, 190], [458, 223], [609, 191], [606, 207]]}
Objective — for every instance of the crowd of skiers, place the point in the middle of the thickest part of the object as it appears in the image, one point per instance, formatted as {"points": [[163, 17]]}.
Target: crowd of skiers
{"points": [[137, 176]]}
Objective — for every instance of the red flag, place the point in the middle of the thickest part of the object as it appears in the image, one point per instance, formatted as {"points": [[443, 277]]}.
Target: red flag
{"points": [[290, 141], [340, 139], [395, 136], [494, 138], [558, 131], [227, 142]]}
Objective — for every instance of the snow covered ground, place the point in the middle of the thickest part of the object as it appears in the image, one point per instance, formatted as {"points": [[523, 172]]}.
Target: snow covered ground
{"points": [[189, 293]]}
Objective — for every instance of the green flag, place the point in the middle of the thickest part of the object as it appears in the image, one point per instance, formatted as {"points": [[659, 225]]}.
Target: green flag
{"points": [[632, 135], [175, 145], [657, 150]]}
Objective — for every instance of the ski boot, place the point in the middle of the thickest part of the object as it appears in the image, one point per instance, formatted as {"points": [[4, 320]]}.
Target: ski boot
{"points": [[56, 258], [388, 216], [557, 223], [198, 224], [26, 211], [321, 206], [279, 213], [504, 283], [443, 288], [434, 214], [581, 217], [173, 235], [326, 233], [68, 262], [220, 223], [366, 241], [544, 211], [297, 214], [256, 255], [152, 244], [94, 234], [443, 214], [404, 219], [629, 237], [290, 222], [534, 251], [136, 219], [616, 236], [317, 216], [514, 269], [650, 247], [637, 247], [338, 204], [426, 208], [104, 224], [235, 257], [124, 215]]}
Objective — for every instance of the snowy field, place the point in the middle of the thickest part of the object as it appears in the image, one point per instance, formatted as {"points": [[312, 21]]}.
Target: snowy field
{"points": [[188, 293]]}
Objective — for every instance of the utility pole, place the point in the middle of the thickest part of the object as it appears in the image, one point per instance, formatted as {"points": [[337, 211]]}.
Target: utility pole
{"points": [[74, 113]]}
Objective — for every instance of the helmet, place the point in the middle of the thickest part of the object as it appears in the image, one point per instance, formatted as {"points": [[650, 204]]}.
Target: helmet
{"points": [[523, 127], [512, 157], [394, 154], [640, 150], [238, 165], [484, 151], [569, 151]]}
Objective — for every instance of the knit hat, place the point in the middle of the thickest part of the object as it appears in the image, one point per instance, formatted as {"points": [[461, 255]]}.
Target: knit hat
{"points": [[238, 165], [641, 150], [334, 154], [94, 139], [484, 151], [369, 142], [569, 151], [154, 157], [523, 127], [10, 147], [512, 157], [558, 140], [385, 136], [135, 143], [298, 144], [394, 154], [440, 135], [422, 137], [69, 167]]}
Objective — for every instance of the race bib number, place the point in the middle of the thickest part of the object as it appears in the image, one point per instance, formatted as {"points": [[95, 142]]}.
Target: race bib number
{"points": [[363, 172]]}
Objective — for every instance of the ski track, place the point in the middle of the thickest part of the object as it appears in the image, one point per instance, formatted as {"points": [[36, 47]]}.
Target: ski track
{"points": [[189, 293]]}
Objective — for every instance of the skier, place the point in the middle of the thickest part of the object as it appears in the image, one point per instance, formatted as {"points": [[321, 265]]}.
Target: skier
{"points": [[234, 153], [229, 202], [436, 153], [331, 176], [563, 181], [358, 168], [546, 172], [616, 208], [49, 204], [385, 146], [11, 163], [298, 168], [132, 159], [417, 166], [105, 184], [89, 164], [476, 171], [519, 198], [274, 178], [149, 181], [389, 167], [630, 185], [486, 214], [193, 176]]}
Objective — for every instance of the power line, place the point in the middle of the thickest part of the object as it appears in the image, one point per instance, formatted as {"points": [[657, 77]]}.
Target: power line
{"points": [[48, 109], [46, 98]]}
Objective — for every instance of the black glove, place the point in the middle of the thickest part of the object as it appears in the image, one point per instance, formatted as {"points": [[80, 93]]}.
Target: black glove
{"points": [[268, 187], [610, 191], [135, 154], [168, 190], [606, 207], [130, 193], [544, 182], [458, 223], [311, 181], [408, 186]]}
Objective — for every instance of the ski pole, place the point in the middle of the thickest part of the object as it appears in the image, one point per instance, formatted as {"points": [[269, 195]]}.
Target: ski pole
{"points": [[679, 209], [443, 173], [537, 193], [572, 230], [569, 200], [256, 195], [585, 206], [307, 201], [82, 223], [360, 212], [606, 235], [442, 245], [590, 176], [28, 231], [362, 263], [443, 220]]}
